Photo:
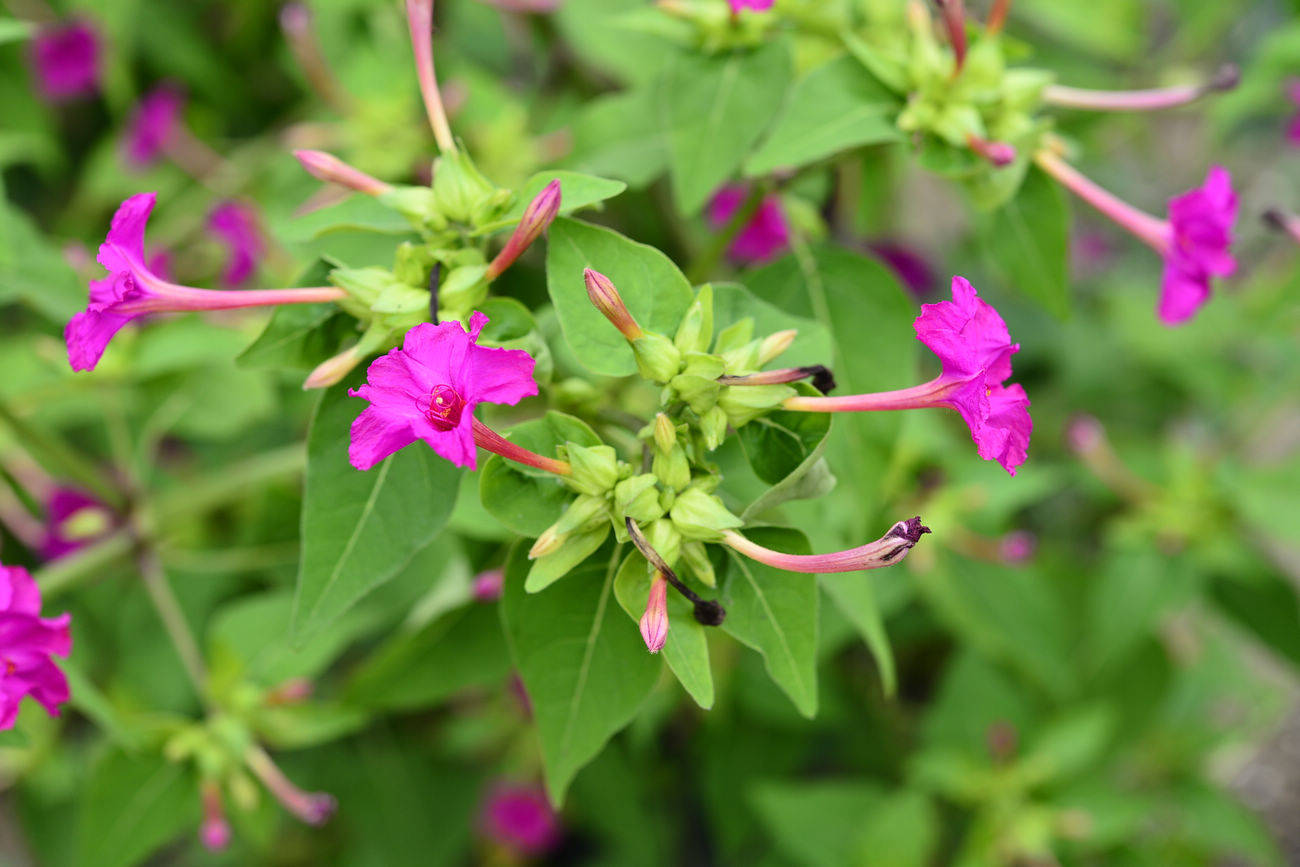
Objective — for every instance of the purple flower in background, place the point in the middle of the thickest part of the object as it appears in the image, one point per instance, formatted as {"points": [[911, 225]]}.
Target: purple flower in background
{"points": [[756, 5], [1200, 227], [520, 819], [73, 519], [427, 390], [1293, 128], [236, 225], [27, 641], [1017, 547], [908, 265], [487, 586], [65, 59], [763, 238], [153, 123]]}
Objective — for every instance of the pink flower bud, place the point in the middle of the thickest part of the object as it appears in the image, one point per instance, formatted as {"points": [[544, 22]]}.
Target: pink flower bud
{"points": [[1017, 547], [1084, 434], [654, 622], [607, 300], [539, 214], [520, 819], [214, 832], [997, 153], [488, 585], [331, 169]]}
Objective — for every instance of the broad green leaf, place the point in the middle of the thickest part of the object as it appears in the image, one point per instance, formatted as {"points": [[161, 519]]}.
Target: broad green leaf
{"points": [[818, 823], [463, 648], [1130, 592], [620, 135], [595, 32], [360, 528], [835, 107], [687, 649], [33, 271], [652, 287], [1028, 241], [783, 443], [714, 108], [357, 213], [584, 666], [577, 191], [854, 594], [775, 613], [527, 500], [132, 805], [299, 337]]}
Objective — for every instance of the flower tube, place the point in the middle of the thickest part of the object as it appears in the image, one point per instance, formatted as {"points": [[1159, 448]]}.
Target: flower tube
{"points": [[1151, 99], [889, 549]]}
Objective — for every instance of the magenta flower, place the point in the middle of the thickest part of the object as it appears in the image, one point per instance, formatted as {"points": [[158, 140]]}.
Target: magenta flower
{"points": [[65, 59], [908, 265], [1017, 547], [73, 519], [765, 236], [975, 348], [519, 818], [756, 5], [427, 390], [236, 225], [131, 289], [487, 586], [1200, 225], [214, 832], [27, 641], [1194, 241], [153, 124]]}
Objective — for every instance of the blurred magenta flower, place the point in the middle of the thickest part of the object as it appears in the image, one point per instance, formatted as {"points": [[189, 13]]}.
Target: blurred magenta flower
{"points": [[487, 586], [27, 643], [73, 520], [975, 347], [1293, 128], [654, 622], [153, 124], [332, 170], [763, 238], [427, 390], [65, 60], [1017, 547], [908, 265], [1194, 241], [889, 549], [236, 225], [1225, 78], [520, 819], [756, 5], [214, 832], [131, 290]]}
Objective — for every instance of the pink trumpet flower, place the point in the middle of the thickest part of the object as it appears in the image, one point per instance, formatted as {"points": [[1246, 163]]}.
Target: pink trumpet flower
{"points": [[27, 644]]}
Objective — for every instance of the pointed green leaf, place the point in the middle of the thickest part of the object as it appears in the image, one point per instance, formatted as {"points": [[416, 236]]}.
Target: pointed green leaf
{"points": [[1028, 241]]}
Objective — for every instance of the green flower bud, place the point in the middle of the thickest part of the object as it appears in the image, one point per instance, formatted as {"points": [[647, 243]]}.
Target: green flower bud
{"points": [[459, 189], [696, 557], [744, 403], [656, 357], [713, 427], [363, 284], [413, 264], [672, 468], [417, 204], [698, 515], [462, 289], [665, 433], [775, 344], [584, 513], [665, 539], [696, 330], [595, 468], [638, 498], [734, 336], [743, 359]]}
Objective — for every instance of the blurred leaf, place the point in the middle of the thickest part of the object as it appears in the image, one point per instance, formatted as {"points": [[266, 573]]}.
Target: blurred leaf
{"points": [[300, 336], [782, 444], [133, 804], [687, 649], [584, 666], [356, 213], [577, 191], [834, 108], [855, 596], [775, 613], [819, 823], [359, 529], [715, 108], [308, 724], [1266, 606], [13, 30], [1028, 241], [653, 289], [33, 271], [620, 135], [527, 500], [1132, 591]]}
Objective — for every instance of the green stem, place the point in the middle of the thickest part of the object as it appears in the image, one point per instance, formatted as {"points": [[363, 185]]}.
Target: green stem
{"points": [[60, 460], [707, 262], [173, 618], [68, 572]]}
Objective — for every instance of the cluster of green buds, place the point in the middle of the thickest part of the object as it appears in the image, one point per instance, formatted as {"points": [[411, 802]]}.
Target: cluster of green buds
{"points": [[717, 25], [447, 272]]}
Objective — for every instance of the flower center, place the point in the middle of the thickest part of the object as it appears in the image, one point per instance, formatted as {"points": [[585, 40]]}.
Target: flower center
{"points": [[445, 407]]}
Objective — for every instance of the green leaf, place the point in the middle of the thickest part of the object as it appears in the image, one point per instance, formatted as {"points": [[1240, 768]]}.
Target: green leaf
{"points": [[652, 287], [1265, 606], [360, 528], [835, 107], [309, 724], [527, 500], [464, 648], [554, 566], [132, 805], [577, 191], [298, 337], [13, 30], [33, 271], [784, 443], [687, 649], [715, 107], [775, 613], [1028, 241], [620, 135], [854, 594], [584, 666], [357, 213]]}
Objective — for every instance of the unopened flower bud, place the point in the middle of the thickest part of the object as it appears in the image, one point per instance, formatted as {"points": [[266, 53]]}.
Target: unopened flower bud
{"points": [[332, 170], [713, 427], [595, 468], [459, 188], [539, 214], [744, 403], [584, 513], [997, 153], [665, 433], [547, 543], [462, 289], [698, 515], [697, 384], [607, 300], [654, 622], [214, 832], [1084, 434], [775, 344], [657, 358], [696, 556], [672, 468], [417, 204], [696, 331], [487, 586], [332, 370], [638, 498]]}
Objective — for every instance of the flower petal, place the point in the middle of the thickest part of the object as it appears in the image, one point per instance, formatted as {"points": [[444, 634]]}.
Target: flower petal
{"points": [[375, 435]]}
